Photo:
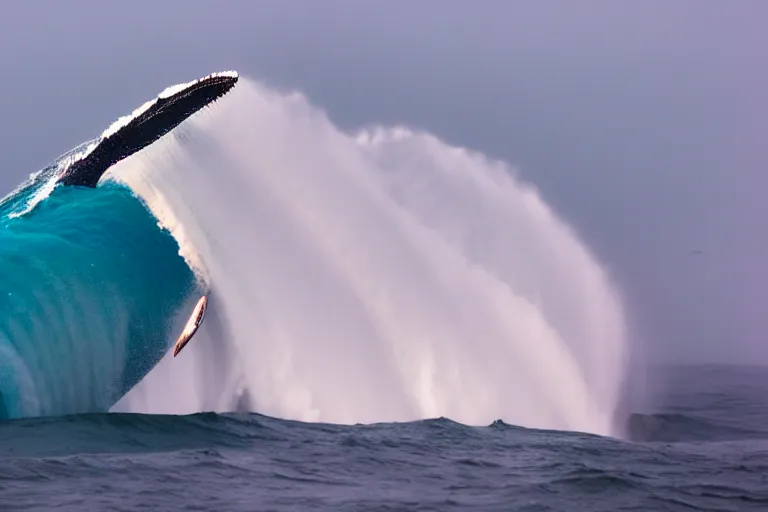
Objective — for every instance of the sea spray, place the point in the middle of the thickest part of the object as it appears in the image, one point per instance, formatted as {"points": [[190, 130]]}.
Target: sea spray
{"points": [[376, 276]]}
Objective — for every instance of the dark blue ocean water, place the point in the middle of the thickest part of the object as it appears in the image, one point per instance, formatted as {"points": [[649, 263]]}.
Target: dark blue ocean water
{"points": [[705, 448]]}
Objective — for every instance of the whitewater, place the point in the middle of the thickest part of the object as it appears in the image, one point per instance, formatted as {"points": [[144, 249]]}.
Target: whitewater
{"points": [[375, 276]]}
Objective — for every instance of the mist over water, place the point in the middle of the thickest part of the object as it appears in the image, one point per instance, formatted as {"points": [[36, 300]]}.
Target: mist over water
{"points": [[375, 276]]}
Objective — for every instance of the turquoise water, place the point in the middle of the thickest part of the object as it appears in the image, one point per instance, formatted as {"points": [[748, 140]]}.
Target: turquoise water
{"points": [[89, 288]]}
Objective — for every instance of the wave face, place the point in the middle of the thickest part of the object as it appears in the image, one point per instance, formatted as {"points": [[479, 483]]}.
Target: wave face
{"points": [[89, 289], [376, 276]]}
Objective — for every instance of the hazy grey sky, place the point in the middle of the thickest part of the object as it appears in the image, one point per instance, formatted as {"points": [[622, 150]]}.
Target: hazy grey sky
{"points": [[644, 123]]}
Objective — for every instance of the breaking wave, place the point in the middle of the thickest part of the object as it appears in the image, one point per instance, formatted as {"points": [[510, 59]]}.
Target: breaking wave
{"points": [[90, 291]]}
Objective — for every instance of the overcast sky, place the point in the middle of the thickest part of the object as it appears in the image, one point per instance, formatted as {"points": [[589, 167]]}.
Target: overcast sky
{"points": [[644, 123]]}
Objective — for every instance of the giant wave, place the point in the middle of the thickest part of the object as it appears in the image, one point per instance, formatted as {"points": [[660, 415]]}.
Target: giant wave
{"points": [[90, 291], [377, 276]]}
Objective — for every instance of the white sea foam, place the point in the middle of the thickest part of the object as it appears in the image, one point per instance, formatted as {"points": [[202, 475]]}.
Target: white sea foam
{"points": [[375, 276]]}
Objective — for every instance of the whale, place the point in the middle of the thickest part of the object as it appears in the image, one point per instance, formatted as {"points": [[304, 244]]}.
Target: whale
{"points": [[92, 289], [145, 125]]}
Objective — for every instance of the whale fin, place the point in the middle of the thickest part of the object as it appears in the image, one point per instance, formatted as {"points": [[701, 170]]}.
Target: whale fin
{"points": [[145, 125], [190, 328]]}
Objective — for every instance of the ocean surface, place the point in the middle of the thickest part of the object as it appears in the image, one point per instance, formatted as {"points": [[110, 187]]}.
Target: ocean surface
{"points": [[706, 448]]}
